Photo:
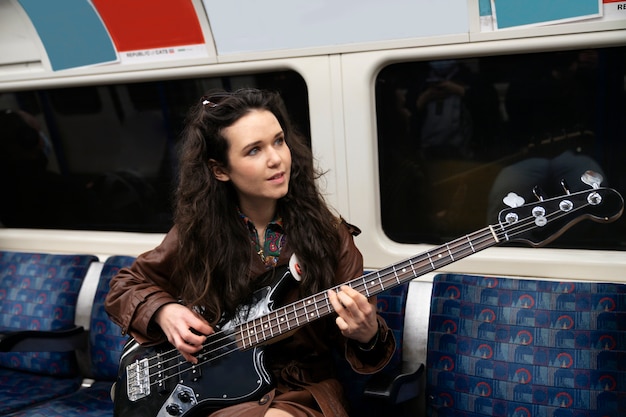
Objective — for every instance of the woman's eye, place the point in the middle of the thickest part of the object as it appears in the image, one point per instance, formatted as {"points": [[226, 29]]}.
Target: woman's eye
{"points": [[279, 141], [253, 151]]}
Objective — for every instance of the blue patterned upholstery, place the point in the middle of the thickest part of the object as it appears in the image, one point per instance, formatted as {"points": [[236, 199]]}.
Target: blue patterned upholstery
{"points": [[22, 389], [522, 348], [38, 292], [94, 401], [390, 306], [105, 337], [105, 344]]}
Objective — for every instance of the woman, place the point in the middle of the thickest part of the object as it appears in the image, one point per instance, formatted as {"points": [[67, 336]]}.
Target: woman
{"points": [[245, 203]]}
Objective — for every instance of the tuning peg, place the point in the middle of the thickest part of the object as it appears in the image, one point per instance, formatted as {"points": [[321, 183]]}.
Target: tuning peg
{"points": [[538, 192], [513, 200], [592, 178]]}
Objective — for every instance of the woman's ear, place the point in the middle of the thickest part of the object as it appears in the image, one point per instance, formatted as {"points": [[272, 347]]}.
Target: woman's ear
{"points": [[219, 172]]}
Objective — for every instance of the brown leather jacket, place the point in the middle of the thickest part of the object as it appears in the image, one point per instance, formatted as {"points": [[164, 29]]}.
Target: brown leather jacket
{"points": [[297, 362]]}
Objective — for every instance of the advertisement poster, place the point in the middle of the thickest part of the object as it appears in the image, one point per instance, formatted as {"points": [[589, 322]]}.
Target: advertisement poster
{"points": [[78, 33], [509, 14]]}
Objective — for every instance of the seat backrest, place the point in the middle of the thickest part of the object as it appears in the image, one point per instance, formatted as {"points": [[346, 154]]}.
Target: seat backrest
{"points": [[39, 292], [391, 307], [105, 337], [522, 347]]}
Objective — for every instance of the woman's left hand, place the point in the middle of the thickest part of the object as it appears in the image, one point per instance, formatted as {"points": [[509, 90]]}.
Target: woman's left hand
{"points": [[356, 314]]}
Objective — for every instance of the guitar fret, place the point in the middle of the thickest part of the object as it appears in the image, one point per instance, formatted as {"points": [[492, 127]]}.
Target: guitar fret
{"points": [[279, 322], [431, 261], [317, 312], [450, 252], [328, 306], [295, 314], [257, 325], [395, 274], [286, 318], [306, 312], [273, 321], [249, 333], [268, 326], [242, 337], [470, 243], [255, 333], [245, 336], [413, 268]]}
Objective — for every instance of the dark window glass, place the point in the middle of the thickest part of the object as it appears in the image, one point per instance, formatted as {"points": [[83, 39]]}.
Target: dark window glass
{"points": [[103, 157], [456, 135]]}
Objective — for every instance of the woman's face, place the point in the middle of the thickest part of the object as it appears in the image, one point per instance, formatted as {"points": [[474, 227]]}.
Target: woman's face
{"points": [[259, 160]]}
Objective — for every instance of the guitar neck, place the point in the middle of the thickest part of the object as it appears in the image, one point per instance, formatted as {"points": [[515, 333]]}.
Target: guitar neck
{"points": [[306, 310]]}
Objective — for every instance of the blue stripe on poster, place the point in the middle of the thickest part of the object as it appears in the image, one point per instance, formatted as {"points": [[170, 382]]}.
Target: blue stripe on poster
{"points": [[511, 13], [484, 7], [71, 32]]}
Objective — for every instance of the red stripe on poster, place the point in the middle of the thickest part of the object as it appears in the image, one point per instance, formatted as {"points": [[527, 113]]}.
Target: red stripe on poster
{"points": [[148, 24]]}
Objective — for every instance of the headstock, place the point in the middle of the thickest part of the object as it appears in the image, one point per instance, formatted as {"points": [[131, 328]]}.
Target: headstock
{"points": [[541, 222]]}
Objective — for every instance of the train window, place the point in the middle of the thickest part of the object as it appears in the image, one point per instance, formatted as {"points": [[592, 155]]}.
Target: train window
{"points": [[103, 157], [456, 135]]}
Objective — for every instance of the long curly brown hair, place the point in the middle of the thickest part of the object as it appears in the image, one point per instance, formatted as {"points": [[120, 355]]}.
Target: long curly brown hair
{"points": [[215, 253]]}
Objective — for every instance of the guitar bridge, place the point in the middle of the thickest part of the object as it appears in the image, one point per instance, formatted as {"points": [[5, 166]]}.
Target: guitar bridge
{"points": [[138, 380]]}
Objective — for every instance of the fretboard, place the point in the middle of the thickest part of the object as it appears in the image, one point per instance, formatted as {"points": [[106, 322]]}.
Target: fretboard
{"points": [[306, 310]]}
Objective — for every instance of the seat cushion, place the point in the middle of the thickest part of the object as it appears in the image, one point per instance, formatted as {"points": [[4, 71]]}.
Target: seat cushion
{"points": [[21, 389], [94, 401], [519, 347]]}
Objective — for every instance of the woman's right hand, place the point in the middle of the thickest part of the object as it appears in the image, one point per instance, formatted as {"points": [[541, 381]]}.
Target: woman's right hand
{"points": [[185, 329]]}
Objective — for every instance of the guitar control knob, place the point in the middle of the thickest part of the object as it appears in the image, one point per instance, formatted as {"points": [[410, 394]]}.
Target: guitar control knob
{"points": [[592, 178], [173, 409], [184, 396]]}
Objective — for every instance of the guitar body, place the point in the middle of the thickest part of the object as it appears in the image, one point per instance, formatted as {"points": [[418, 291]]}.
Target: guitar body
{"points": [[157, 382], [237, 377]]}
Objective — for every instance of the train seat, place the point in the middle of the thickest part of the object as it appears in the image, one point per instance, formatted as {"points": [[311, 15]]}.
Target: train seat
{"points": [[393, 390], [104, 349], [524, 347], [38, 335]]}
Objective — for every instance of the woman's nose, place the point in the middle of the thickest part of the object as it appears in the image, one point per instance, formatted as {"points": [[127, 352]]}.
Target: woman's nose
{"points": [[273, 157]]}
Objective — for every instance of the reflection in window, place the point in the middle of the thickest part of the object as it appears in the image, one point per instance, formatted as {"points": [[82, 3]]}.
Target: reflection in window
{"points": [[103, 157], [455, 136]]}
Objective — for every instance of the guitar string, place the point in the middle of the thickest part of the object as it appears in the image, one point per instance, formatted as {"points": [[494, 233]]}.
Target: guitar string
{"points": [[486, 233], [483, 237]]}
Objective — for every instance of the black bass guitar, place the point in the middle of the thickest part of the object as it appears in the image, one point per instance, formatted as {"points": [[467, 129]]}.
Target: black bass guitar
{"points": [[158, 382]]}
